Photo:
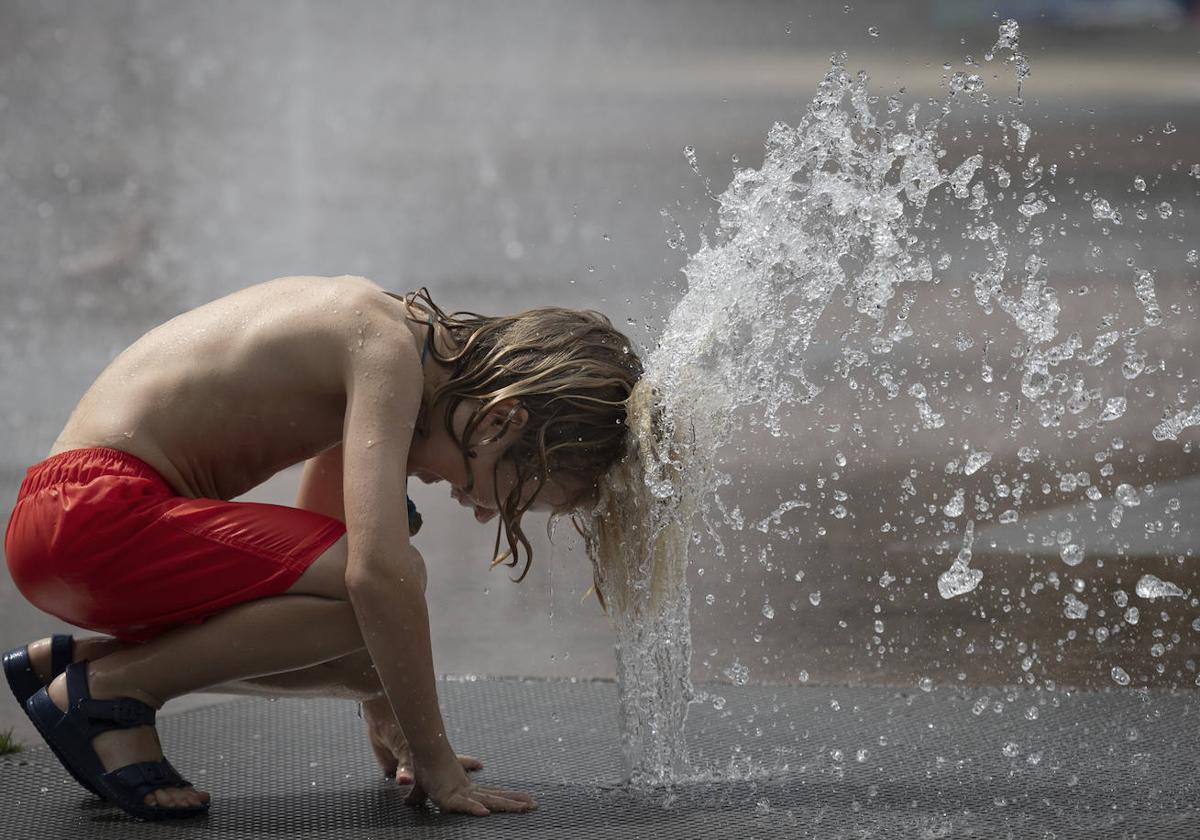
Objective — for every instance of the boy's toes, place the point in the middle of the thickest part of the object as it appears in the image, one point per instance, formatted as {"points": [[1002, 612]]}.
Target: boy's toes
{"points": [[195, 797], [168, 798]]}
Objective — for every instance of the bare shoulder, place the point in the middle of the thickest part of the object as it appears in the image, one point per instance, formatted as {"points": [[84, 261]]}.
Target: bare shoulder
{"points": [[377, 335]]}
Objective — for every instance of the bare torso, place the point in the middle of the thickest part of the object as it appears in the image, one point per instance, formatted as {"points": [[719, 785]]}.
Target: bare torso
{"points": [[222, 397]]}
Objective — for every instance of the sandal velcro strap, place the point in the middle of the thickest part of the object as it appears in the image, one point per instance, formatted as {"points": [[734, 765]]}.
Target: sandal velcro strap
{"points": [[147, 776], [61, 648], [98, 716], [123, 712]]}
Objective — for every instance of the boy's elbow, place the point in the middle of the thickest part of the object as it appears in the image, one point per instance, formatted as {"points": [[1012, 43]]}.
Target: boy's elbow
{"points": [[367, 577]]}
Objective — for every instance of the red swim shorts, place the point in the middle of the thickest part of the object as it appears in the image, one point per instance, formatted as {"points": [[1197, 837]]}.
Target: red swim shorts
{"points": [[99, 539]]}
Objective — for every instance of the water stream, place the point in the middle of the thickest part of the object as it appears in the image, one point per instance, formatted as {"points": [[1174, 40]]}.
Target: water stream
{"points": [[839, 215]]}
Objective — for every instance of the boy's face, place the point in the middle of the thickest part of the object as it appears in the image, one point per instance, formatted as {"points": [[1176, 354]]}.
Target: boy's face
{"points": [[494, 475]]}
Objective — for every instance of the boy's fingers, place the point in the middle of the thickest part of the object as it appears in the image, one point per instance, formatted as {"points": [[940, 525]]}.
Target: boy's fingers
{"points": [[470, 762], [502, 803], [465, 804], [512, 795]]}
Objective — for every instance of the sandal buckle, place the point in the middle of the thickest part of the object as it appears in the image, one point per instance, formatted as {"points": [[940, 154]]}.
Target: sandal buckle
{"points": [[155, 774]]}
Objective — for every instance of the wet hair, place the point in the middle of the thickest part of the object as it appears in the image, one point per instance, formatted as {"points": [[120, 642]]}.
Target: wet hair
{"points": [[570, 369]]}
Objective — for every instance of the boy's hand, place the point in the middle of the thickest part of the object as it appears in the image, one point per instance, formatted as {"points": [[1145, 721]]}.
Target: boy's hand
{"points": [[391, 747], [450, 789]]}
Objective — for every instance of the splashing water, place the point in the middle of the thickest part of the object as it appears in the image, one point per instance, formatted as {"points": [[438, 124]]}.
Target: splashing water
{"points": [[833, 214]]}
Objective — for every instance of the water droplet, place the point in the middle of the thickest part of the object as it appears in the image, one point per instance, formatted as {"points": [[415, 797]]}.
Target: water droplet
{"points": [[873, 31], [1072, 554], [1165, 209], [1113, 408], [925, 684], [814, 598], [976, 461], [1127, 496], [1151, 587], [1120, 677], [1074, 608], [954, 507], [739, 674]]}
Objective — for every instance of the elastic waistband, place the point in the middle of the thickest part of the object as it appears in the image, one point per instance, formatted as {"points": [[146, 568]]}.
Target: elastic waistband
{"points": [[79, 466]]}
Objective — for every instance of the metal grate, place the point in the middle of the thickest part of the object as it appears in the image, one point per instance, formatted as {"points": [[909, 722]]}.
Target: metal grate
{"points": [[793, 761]]}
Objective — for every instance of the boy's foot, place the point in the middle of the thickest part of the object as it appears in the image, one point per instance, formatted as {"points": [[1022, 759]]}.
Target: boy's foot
{"points": [[120, 747]]}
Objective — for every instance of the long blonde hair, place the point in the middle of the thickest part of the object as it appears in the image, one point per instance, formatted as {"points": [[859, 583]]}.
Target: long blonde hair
{"points": [[570, 369], [638, 531]]}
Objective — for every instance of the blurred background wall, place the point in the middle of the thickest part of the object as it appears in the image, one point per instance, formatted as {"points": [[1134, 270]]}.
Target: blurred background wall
{"points": [[157, 155]]}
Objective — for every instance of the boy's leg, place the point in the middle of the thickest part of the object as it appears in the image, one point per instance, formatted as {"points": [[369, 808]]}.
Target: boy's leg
{"points": [[312, 623], [88, 647], [351, 677]]}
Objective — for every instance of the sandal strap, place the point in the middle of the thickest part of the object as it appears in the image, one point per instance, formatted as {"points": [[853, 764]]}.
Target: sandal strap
{"points": [[96, 716], [147, 776], [61, 648]]}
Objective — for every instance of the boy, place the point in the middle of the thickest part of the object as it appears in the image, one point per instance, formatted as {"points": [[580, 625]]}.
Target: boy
{"points": [[126, 527]]}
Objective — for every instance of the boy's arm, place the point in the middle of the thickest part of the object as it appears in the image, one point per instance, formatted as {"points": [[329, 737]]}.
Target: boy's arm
{"points": [[382, 578]]}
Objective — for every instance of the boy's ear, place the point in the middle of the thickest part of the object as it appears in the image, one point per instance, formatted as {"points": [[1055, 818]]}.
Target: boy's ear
{"points": [[509, 412]]}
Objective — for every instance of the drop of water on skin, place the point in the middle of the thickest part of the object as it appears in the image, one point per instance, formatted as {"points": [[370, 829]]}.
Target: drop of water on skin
{"points": [[814, 598], [925, 684], [1120, 677]]}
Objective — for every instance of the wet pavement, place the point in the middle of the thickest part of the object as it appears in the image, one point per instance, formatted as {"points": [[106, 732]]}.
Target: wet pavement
{"points": [[154, 160]]}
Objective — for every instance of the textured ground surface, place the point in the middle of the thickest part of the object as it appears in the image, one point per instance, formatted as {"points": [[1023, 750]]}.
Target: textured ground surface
{"points": [[786, 762]]}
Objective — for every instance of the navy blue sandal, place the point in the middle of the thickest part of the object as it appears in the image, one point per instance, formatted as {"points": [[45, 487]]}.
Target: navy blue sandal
{"points": [[71, 735], [24, 682]]}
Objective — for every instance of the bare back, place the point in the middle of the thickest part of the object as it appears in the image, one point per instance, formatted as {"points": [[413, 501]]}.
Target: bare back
{"points": [[221, 397]]}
